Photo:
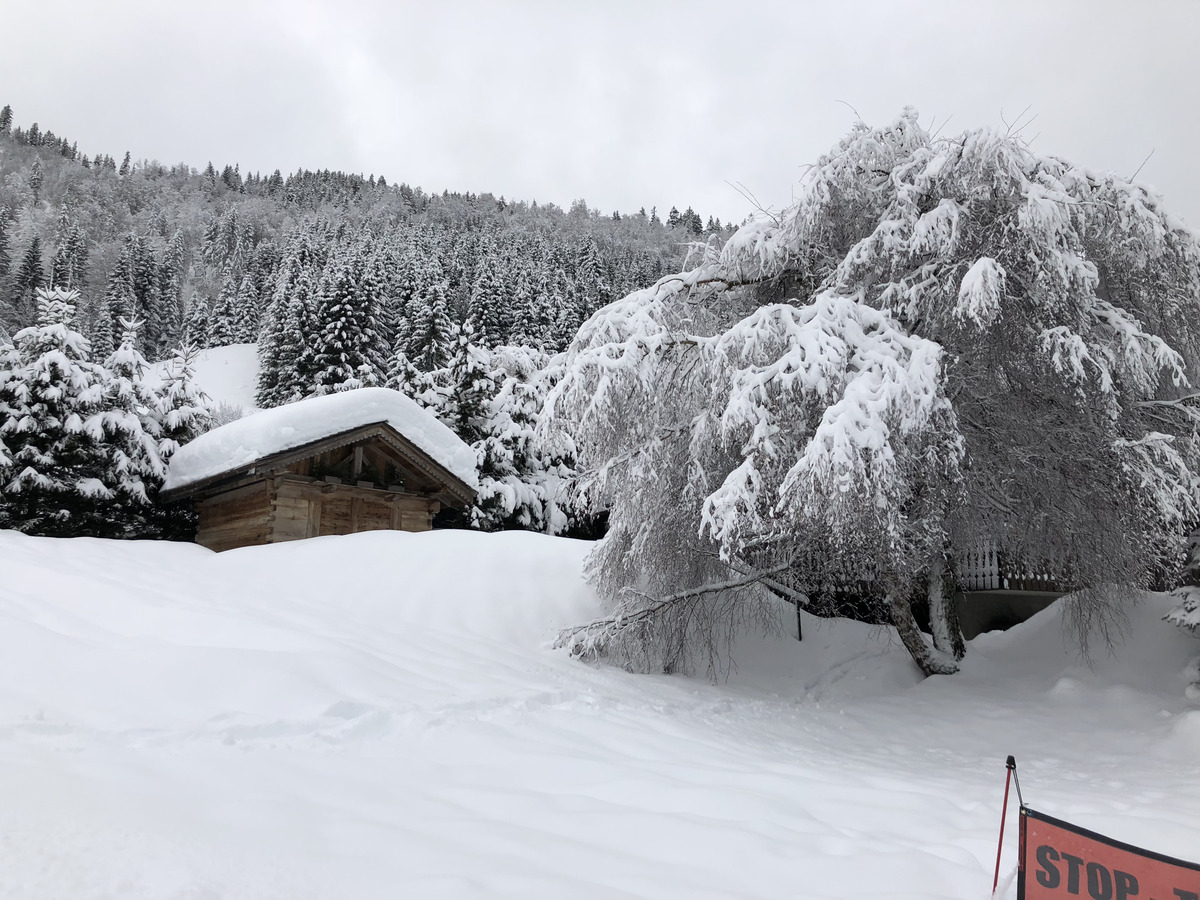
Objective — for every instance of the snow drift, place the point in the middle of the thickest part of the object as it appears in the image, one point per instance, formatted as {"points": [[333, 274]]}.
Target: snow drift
{"points": [[379, 715]]}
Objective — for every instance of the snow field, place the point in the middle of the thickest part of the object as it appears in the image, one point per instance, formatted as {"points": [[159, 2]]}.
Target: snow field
{"points": [[380, 715], [226, 374]]}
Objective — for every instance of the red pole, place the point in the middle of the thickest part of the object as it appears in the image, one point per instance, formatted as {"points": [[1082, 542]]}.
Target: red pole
{"points": [[1011, 764]]}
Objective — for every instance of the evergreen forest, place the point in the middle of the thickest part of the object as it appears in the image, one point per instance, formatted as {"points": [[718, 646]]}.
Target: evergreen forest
{"points": [[461, 300]]}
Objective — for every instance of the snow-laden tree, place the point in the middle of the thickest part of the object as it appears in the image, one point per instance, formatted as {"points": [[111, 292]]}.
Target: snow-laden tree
{"points": [[490, 306], [467, 384], [525, 481], [287, 337], [223, 319], [128, 426], [1187, 613], [492, 399], [942, 342], [246, 321], [403, 376], [195, 328], [183, 410], [810, 450], [429, 338], [70, 253], [172, 275], [347, 347], [53, 482], [83, 447]]}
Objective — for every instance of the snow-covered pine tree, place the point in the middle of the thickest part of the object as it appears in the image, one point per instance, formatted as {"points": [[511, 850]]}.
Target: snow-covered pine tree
{"points": [[5, 238], [183, 410], [222, 321], [392, 315], [284, 337], [403, 376], [147, 302], [567, 310], [524, 328], [457, 262], [119, 298], [346, 349], [468, 386], [129, 428], [99, 326], [544, 308], [171, 276], [591, 279], [10, 364], [27, 280], [195, 328], [49, 389], [812, 392], [70, 253], [183, 413], [429, 323], [246, 317], [524, 483], [489, 311]]}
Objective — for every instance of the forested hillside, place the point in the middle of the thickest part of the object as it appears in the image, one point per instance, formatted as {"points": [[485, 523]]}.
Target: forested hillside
{"points": [[202, 255], [460, 300]]}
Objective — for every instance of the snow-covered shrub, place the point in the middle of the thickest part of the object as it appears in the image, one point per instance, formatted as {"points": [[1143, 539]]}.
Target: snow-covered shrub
{"points": [[225, 412], [1187, 613]]}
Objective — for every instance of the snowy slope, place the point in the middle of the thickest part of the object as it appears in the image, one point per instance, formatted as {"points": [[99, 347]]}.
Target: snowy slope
{"points": [[379, 716], [226, 374]]}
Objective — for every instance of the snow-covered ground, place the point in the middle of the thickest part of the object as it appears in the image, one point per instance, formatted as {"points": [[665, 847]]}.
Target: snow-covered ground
{"points": [[226, 374], [380, 716]]}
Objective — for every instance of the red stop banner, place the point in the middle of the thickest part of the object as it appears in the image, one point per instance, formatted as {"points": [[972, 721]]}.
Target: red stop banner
{"points": [[1059, 861]]}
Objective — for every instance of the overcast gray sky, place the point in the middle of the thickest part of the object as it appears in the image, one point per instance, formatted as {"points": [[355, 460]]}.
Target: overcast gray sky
{"points": [[625, 104]]}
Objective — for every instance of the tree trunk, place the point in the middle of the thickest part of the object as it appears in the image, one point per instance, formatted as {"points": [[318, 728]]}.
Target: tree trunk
{"points": [[943, 616], [931, 660]]}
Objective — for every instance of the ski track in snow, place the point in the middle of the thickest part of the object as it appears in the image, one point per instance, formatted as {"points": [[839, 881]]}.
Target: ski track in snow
{"points": [[382, 716]]}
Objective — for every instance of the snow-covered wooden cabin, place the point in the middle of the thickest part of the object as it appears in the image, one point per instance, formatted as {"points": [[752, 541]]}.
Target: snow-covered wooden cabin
{"points": [[362, 460]]}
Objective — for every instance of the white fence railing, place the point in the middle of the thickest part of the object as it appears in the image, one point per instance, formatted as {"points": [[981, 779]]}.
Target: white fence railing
{"points": [[979, 569]]}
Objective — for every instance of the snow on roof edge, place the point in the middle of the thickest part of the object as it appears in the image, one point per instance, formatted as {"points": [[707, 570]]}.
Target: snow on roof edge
{"points": [[272, 431]]}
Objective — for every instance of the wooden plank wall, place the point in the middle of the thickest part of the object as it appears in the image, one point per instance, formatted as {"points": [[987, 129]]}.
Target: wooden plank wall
{"points": [[289, 518], [295, 506], [306, 507], [235, 519]]}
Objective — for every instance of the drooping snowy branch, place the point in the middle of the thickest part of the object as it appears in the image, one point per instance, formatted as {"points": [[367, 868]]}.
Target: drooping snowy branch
{"points": [[941, 340]]}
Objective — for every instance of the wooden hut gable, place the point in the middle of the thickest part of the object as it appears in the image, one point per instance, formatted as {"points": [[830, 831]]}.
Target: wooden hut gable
{"points": [[309, 482]]}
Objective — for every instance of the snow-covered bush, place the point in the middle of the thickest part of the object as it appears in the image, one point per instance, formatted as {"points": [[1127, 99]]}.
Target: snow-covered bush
{"points": [[944, 341], [1187, 615]]}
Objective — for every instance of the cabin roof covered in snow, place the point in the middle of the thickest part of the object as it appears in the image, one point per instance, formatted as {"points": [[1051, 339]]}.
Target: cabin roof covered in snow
{"points": [[262, 435]]}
